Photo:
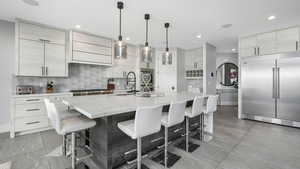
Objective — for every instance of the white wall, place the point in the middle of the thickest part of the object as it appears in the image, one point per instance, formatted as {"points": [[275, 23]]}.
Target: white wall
{"points": [[230, 96], [209, 69], [6, 71]]}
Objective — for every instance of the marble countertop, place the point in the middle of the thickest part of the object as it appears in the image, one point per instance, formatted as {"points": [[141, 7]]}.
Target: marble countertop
{"points": [[43, 94], [97, 106]]}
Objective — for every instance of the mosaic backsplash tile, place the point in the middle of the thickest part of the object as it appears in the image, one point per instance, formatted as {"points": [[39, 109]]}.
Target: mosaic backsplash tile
{"points": [[81, 76]]}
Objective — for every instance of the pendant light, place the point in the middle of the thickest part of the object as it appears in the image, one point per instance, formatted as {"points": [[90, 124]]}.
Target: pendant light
{"points": [[120, 46], [146, 50], [167, 56]]}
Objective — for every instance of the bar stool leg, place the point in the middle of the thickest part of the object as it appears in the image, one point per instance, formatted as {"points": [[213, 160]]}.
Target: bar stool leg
{"points": [[64, 146], [202, 126], [166, 147], [73, 158], [187, 134], [139, 153]]}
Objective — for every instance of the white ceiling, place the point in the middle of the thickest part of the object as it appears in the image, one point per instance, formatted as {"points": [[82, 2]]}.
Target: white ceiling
{"points": [[188, 18]]}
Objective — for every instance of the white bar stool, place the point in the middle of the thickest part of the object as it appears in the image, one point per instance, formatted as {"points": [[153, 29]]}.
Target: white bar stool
{"points": [[207, 116], [147, 121], [69, 125], [191, 112], [173, 117], [64, 113]]}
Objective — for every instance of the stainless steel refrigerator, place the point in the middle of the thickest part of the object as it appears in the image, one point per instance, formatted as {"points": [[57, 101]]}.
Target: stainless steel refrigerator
{"points": [[270, 87]]}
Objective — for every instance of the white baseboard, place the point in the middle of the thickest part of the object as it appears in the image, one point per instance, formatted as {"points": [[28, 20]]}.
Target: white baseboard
{"points": [[4, 128]]}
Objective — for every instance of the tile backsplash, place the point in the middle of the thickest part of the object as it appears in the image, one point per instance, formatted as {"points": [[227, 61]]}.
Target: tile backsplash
{"points": [[81, 76]]}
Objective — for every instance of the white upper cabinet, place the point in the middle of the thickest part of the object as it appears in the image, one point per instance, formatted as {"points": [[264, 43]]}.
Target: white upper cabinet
{"points": [[194, 59], [31, 60], [41, 51], [91, 49], [36, 32], [266, 43], [55, 60], [279, 41], [288, 40], [248, 46]]}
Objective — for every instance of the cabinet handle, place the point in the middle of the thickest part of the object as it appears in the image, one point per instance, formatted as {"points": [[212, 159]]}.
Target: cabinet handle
{"points": [[258, 51], [255, 51], [46, 70], [43, 72], [297, 46], [33, 109], [44, 40], [35, 122], [31, 100]]}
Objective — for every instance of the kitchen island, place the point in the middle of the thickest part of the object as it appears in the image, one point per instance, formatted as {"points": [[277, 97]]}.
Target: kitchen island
{"points": [[112, 148]]}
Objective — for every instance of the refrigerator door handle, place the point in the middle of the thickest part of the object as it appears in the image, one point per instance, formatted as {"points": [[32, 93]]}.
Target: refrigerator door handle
{"points": [[274, 84], [278, 83]]}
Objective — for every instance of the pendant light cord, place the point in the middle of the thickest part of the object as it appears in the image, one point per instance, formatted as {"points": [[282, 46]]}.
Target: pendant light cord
{"points": [[120, 25], [167, 36], [146, 44]]}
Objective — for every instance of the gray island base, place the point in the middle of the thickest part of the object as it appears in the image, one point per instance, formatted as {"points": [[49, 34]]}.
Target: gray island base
{"points": [[111, 147]]}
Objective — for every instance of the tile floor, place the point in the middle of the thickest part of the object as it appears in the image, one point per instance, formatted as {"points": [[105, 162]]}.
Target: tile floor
{"points": [[238, 144]]}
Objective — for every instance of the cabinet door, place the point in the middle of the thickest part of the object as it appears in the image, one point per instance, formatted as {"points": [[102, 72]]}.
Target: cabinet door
{"points": [[266, 43], [55, 60], [287, 40], [167, 74], [188, 60], [31, 58], [248, 46], [37, 32]]}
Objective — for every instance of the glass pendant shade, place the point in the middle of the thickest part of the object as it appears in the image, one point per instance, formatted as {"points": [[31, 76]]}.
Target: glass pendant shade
{"points": [[167, 58], [146, 54], [120, 50]]}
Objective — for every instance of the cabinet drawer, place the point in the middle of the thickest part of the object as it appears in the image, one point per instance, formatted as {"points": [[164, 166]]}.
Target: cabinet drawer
{"points": [[90, 48], [36, 32], [28, 110], [30, 123], [82, 37], [92, 58], [27, 100]]}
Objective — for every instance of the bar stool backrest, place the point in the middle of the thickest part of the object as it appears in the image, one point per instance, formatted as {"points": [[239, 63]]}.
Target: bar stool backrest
{"points": [[198, 105], [147, 120], [53, 114], [176, 113], [211, 105]]}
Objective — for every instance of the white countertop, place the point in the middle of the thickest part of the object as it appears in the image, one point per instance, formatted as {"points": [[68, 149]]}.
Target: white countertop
{"points": [[96, 106], [43, 94]]}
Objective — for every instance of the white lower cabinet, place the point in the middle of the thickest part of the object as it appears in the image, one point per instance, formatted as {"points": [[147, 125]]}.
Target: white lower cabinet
{"points": [[29, 115]]}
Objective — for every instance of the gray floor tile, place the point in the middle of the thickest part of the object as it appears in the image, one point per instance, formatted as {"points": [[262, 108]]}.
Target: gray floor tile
{"points": [[20, 145]]}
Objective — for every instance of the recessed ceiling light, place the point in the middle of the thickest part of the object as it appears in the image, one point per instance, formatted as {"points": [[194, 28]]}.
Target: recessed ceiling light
{"points": [[78, 26], [31, 2], [233, 50], [272, 17], [199, 36], [127, 38]]}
